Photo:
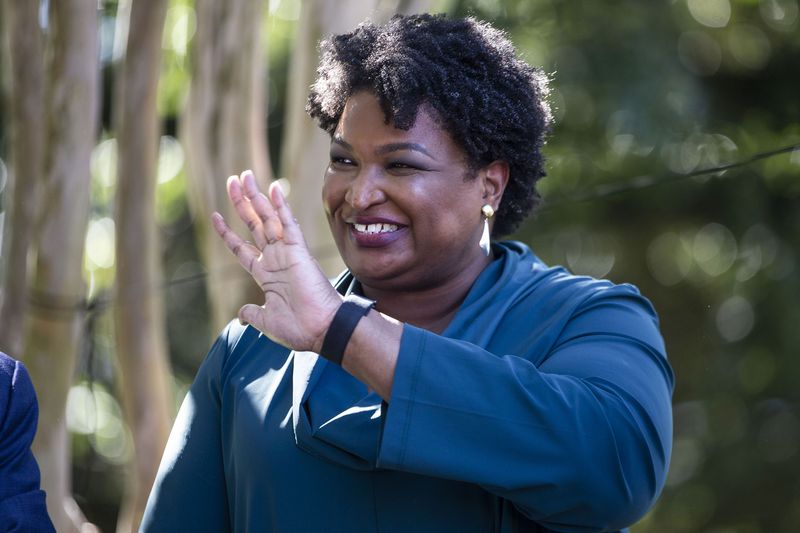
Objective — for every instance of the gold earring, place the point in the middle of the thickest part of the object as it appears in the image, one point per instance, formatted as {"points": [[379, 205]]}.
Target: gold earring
{"points": [[485, 242]]}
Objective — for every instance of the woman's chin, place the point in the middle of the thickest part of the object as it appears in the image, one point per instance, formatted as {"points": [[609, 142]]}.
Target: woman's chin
{"points": [[376, 255], [374, 273], [376, 267]]}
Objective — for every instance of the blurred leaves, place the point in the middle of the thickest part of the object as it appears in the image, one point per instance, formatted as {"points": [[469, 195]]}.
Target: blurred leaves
{"points": [[644, 94]]}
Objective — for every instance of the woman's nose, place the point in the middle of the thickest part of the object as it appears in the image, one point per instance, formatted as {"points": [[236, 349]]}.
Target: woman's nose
{"points": [[365, 190]]}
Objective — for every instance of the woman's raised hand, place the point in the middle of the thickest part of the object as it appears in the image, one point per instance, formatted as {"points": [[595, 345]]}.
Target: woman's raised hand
{"points": [[299, 301]]}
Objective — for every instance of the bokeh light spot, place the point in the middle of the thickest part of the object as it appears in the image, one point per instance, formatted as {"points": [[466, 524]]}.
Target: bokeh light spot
{"points": [[667, 259], [758, 249], [711, 13], [687, 457], [626, 134], [714, 249], [735, 318], [749, 46], [779, 14], [285, 9], [170, 159], [81, 413], [590, 255], [100, 241], [92, 411], [179, 28], [104, 163]]}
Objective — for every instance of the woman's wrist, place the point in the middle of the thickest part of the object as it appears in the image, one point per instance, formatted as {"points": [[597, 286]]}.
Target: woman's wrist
{"points": [[341, 327], [371, 355], [331, 307]]}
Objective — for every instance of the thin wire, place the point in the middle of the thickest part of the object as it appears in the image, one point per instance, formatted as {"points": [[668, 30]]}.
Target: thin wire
{"points": [[645, 181]]}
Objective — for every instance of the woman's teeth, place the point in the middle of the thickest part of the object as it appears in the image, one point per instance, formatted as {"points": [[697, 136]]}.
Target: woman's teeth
{"points": [[375, 228]]}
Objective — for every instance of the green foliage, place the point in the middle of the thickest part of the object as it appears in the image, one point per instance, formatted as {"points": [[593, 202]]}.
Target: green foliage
{"points": [[646, 92]]}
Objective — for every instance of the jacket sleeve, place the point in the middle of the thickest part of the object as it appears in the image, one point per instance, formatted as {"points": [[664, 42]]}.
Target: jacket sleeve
{"points": [[22, 503], [189, 492], [579, 441]]}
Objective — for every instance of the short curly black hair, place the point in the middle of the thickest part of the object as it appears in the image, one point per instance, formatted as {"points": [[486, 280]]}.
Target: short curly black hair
{"points": [[493, 104]]}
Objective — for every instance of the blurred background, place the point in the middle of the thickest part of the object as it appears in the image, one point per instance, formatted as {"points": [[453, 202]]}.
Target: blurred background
{"points": [[674, 164]]}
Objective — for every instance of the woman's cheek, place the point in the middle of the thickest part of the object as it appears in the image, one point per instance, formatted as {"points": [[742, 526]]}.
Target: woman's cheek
{"points": [[329, 193]]}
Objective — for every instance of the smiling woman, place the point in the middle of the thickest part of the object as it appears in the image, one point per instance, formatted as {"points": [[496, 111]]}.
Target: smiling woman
{"points": [[444, 382], [418, 201]]}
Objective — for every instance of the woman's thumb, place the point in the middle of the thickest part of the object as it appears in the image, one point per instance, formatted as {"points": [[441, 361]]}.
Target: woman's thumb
{"points": [[249, 314]]}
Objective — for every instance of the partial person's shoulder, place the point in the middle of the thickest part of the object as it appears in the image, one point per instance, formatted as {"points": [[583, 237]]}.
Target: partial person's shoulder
{"points": [[8, 367], [559, 282], [556, 295], [236, 334], [14, 379], [18, 407], [238, 343], [22, 503]]}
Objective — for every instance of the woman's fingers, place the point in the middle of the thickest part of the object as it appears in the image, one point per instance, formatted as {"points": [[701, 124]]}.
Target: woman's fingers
{"points": [[263, 209], [246, 253], [268, 218], [244, 208], [291, 230]]}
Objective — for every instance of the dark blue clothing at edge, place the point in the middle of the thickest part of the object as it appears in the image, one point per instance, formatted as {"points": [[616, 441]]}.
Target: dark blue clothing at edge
{"points": [[544, 405], [22, 503]]}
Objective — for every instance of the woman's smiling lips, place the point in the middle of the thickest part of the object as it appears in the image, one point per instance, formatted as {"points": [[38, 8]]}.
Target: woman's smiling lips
{"points": [[374, 232]]}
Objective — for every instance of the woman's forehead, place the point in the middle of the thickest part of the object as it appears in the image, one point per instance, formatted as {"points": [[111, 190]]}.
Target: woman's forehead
{"points": [[363, 119]]}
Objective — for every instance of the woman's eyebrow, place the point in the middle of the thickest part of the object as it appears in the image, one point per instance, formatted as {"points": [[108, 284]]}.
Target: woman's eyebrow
{"points": [[395, 147], [337, 139], [386, 148]]}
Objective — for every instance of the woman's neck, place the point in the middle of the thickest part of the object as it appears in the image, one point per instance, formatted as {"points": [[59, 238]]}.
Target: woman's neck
{"points": [[432, 309]]}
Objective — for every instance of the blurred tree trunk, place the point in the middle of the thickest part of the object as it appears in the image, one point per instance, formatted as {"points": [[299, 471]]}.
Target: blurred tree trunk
{"points": [[5, 143], [139, 314], [25, 104], [224, 132], [5, 75], [305, 151], [57, 286], [5, 69]]}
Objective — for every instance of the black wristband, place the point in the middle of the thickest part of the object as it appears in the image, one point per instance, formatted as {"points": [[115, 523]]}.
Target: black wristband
{"points": [[342, 326]]}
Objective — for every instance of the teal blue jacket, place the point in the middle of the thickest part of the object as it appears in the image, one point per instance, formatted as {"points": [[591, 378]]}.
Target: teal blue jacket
{"points": [[544, 405]]}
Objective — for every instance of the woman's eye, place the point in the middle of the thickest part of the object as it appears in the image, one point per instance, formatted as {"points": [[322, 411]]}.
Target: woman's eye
{"points": [[402, 167], [341, 161]]}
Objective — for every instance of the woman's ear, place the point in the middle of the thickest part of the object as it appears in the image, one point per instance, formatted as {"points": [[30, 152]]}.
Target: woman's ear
{"points": [[494, 178]]}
